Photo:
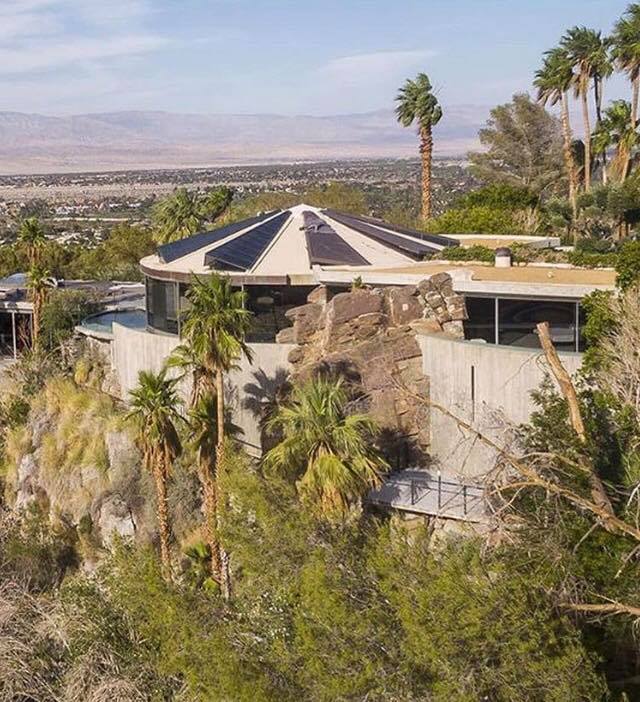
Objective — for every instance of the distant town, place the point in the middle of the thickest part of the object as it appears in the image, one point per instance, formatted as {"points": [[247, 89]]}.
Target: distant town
{"points": [[84, 206]]}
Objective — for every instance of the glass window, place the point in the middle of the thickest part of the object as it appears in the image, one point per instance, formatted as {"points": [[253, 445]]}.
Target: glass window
{"points": [[162, 305], [480, 325], [518, 320]]}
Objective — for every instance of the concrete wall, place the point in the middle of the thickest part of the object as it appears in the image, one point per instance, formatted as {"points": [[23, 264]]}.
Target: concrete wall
{"points": [[247, 388], [487, 386]]}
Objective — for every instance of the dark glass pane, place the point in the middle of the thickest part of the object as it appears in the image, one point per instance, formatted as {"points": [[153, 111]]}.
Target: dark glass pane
{"points": [[162, 305], [269, 306], [518, 320], [582, 317], [482, 319]]}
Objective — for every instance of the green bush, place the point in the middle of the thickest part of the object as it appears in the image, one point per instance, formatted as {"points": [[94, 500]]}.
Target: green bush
{"points": [[471, 253], [499, 196], [63, 310], [480, 219], [628, 265], [593, 260]]}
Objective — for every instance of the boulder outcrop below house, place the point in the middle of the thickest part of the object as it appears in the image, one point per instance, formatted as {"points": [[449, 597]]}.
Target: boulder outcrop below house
{"points": [[369, 336]]}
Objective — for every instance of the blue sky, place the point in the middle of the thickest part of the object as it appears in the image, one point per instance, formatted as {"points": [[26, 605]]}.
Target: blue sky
{"points": [[277, 56]]}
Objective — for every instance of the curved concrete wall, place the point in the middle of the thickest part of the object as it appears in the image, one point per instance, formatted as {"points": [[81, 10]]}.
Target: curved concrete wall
{"points": [[247, 388], [487, 386]]}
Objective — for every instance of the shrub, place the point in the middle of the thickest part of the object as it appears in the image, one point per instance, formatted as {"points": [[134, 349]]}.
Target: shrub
{"points": [[628, 264], [475, 220], [499, 196], [472, 253]]}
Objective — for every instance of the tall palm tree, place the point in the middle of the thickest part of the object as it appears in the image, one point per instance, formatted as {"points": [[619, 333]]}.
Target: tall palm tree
{"points": [[186, 211], [329, 452], [32, 235], [214, 330], [553, 81], [588, 53], [39, 283], [626, 53], [615, 131], [417, 103], [203, 429], [154, 405]]}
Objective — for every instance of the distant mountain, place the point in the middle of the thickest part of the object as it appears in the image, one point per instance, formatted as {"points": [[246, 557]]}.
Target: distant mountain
{"points": [[32, 143]]}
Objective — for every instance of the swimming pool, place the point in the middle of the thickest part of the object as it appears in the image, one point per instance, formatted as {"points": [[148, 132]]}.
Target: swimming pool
{"points": [[102, 323]]}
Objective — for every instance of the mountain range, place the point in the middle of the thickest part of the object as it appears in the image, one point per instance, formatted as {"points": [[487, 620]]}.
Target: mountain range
{"points": [[34, 143]]}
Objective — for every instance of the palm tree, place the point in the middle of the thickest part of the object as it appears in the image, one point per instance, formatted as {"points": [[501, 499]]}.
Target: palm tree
{"points": [[187, 362], [417, 103], [214, 330], [626, 53], [186, 211], [615, 131], [553, 81], [329, 452], [203, 429], [154, 411], [588, 53], [32, 236], [39, 283]]}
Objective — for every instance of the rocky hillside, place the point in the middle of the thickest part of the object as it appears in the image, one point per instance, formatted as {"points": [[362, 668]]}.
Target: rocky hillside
{"points": [[370, 336]]}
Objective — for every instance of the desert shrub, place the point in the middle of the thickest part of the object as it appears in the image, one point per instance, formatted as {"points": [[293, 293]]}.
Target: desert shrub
{"points": [[470, 253], [587, 259], [63, 310], [628, 264], [479, 219], [499, 196], [80, 417]]}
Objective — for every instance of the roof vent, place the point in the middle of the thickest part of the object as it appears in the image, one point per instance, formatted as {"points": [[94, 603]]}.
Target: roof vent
{"points": [[503, 257]]}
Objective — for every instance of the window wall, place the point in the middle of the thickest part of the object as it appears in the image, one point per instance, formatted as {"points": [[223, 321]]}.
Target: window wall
{"points": [[512, 322], [162, 305], [168, 301]]}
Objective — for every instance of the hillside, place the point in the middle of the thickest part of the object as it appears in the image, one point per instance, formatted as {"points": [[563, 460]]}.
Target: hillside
{"points": [[38, 143]]}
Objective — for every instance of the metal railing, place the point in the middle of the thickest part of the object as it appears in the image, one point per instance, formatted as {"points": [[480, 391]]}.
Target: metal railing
{"points": [[452, 498]]}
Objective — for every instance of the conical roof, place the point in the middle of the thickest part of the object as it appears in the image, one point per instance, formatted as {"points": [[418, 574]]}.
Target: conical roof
{"points": [[295, 242]]}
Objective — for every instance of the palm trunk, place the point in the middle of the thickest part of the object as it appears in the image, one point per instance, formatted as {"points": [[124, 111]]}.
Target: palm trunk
{"points": [[634, 102], [225, 576], [35, 322], [597, 93], [210, 500], [160, 476], [624, 168], [568, 156], [587, 134], [426, 153]]}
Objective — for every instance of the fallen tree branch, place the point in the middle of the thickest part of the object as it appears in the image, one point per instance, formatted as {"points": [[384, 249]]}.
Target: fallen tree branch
{"points": [[608, 519], [605, 608], [598, 491]]}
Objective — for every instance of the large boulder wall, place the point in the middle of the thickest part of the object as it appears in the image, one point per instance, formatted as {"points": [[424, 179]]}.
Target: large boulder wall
{"points": [[369, 336]]}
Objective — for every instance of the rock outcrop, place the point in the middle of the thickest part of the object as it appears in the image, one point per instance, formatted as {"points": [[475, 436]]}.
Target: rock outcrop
{"points": [[370, 336]]}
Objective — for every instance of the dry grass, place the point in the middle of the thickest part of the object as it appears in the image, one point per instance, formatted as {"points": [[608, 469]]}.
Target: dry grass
{"points": [[79, 419]]}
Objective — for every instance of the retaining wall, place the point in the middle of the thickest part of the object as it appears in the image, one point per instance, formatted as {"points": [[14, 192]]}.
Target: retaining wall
{"points": [[247, 388], [487, 386]]}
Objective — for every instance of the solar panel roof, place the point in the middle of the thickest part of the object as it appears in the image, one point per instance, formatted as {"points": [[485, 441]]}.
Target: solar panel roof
{"points": [[241, 253], [325, 246], [178, 249], [424, 236], [409, 247]]}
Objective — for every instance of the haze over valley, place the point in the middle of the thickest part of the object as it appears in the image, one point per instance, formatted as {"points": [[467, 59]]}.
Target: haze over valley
{"points": [[36, 143]]}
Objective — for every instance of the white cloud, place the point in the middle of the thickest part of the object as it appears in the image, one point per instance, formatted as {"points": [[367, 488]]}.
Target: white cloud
{"points": [[40, 35], [51, 48], [379, 66]]}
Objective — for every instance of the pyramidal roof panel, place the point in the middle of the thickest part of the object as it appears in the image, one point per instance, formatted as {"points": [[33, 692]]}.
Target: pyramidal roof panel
{"points": [[411, 247], [183, 247], [242, 253], [443, 241], [325, 246]]}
